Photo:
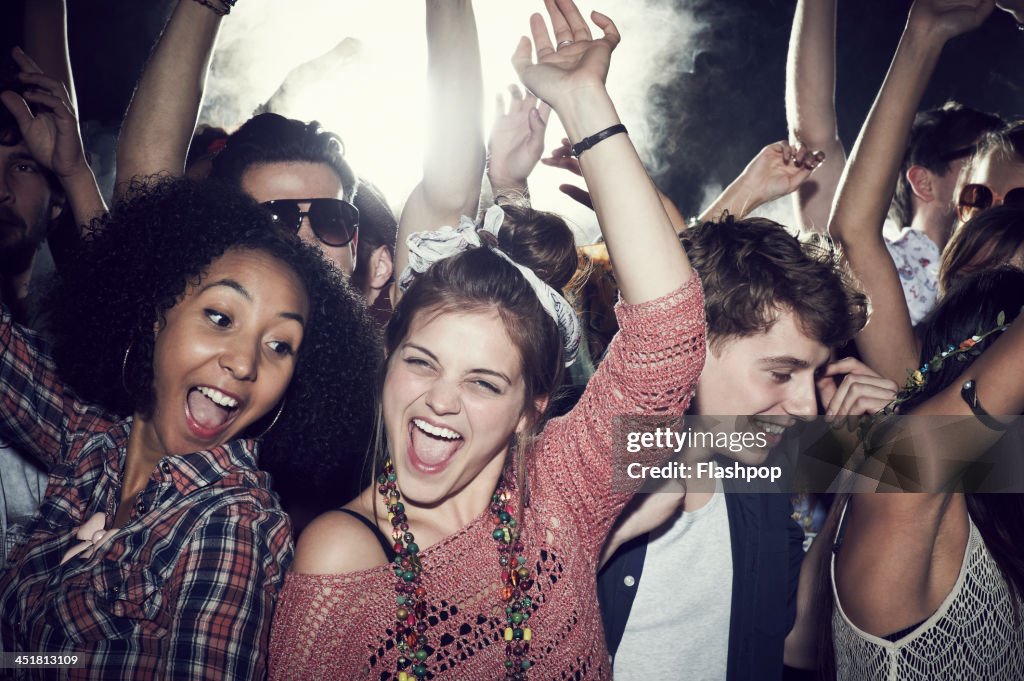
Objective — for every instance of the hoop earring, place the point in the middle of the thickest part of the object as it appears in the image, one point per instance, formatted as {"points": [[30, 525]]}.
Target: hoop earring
{"points": [[272, 423], [124, 366]]}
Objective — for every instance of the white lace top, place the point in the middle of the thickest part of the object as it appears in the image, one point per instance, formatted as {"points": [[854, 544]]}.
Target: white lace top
{"points": [[973, 635]]}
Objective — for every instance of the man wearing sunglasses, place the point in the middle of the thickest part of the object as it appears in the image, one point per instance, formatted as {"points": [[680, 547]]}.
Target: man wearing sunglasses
{"points": [[941, 141], [995, 175], [298, 172]]}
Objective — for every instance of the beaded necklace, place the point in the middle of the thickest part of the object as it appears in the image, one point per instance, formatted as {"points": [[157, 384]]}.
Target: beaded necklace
{"points": [[410, 599]]}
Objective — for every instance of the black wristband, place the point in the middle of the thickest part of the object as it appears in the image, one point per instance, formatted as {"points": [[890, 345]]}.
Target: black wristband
{"points": [[588, 142]]}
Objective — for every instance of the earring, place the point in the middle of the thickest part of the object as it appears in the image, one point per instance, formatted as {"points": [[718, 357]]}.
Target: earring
{"points": [[272, 423], [124, 367]]}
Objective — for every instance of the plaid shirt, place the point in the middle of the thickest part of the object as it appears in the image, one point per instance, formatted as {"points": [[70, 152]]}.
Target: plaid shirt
{"points": [[185, 590]]}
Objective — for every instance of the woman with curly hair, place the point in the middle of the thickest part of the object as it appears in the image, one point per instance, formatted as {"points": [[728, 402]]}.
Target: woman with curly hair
{"points": [[194, 344]]}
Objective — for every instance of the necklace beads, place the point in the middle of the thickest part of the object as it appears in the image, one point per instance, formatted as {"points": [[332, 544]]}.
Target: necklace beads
{"points": [[410, 595], [516, 581]]}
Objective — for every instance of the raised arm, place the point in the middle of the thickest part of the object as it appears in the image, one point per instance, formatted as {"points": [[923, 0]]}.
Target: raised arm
{"points": [[811, 107], [516, 143], [454, 163], [52, 136], [887, 343], [647, 257], [46, 39], [777, 170], [162, 116]]}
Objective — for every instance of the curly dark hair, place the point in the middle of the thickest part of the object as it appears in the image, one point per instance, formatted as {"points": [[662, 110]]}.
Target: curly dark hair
{"points": [[751, 268], [138, 262]]}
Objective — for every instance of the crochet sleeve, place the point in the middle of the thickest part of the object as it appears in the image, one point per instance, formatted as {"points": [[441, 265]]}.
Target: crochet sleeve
{"points": [[651, 369]]}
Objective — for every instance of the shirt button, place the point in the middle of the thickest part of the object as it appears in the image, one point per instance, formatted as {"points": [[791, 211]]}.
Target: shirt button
{"points": [[629, 580], [165, 467], [142, 507]]}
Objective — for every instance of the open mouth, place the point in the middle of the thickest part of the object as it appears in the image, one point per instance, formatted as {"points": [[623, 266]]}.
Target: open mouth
{"points": [[773, 430], [432, 446], [210, 411], [769, 427]]}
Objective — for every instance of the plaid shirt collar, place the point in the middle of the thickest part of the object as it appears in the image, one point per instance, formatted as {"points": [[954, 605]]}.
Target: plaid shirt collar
{"points": [[188, 472]]}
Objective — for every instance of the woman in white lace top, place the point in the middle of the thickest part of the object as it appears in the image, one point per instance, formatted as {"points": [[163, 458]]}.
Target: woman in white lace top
{"points": [[929, 585]]}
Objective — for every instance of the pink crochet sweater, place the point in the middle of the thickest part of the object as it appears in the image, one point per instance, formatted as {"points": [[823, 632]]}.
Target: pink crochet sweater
{"points": [[339, 626]]}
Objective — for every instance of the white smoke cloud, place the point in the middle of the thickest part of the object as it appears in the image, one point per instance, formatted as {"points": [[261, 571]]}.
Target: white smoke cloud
{"points": [[373, 91]]}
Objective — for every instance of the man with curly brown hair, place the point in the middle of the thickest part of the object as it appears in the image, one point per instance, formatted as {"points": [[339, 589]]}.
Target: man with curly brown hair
{"points": [[719, 576]]}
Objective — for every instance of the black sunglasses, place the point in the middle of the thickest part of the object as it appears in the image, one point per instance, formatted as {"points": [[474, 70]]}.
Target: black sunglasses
{"points": [[335, 222], [975, 198]]}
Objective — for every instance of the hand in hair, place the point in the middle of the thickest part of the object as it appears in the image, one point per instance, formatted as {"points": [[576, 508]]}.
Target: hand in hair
{"points": [[777, 170], [862, 392], [52, 135], [516, 142]]}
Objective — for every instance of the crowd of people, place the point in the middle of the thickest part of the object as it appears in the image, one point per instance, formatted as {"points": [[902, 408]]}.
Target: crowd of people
{"points": [[254, 424]]}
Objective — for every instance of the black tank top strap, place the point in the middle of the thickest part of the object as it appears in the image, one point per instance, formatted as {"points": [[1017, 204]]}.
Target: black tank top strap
{"points": [[389, 550]]}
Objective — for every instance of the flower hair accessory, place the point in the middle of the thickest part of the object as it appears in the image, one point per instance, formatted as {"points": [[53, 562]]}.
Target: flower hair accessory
{"points": [[918, 378], [426, 248]]}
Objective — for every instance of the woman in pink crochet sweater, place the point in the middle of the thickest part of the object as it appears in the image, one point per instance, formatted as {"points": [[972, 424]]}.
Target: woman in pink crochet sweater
{"points": [[448, 566]]}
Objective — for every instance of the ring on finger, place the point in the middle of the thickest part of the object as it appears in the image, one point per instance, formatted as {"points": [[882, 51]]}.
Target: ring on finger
{"points": [[563, 44]]}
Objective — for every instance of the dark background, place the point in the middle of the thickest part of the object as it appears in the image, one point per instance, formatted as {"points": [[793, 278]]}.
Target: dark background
{"points": [[716, 118]]}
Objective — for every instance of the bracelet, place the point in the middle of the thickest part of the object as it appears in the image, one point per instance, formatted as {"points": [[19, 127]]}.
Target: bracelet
{"points": [[969, 392], [588, 142], [220, 10]]}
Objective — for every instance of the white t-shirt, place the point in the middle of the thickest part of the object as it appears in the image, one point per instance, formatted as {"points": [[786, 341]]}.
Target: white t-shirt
{"points": [[678, 626]]}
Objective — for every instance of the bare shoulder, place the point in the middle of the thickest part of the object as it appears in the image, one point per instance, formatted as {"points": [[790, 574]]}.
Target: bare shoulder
{"points": [[337, 543]]}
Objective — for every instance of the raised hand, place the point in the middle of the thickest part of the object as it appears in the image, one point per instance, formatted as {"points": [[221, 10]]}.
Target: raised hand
{"points": [[51, 133], [561, 157], [573, 61], [862, 392], [781, 168], [947, 19], [517, 140]]}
